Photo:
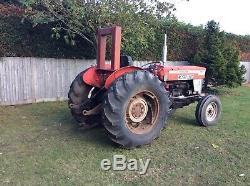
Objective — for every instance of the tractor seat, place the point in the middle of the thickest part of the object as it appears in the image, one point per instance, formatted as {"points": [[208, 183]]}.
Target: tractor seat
{"points": [[126, 61]]}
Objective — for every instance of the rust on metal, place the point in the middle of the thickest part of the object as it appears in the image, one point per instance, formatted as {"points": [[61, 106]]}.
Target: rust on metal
{"points": [[142, 112], [138, 109], [102, 34]]}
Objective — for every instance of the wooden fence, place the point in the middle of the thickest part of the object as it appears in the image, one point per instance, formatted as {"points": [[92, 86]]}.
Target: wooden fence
{"points": [[32, 80]]}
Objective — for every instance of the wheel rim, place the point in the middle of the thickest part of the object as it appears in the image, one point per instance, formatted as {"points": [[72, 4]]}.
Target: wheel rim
{"points": [[211, 111], [142, 112]]}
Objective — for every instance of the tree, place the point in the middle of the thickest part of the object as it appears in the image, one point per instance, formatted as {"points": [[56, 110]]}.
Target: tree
{"points": [[220, 58], [235, 72], [76, 18]]}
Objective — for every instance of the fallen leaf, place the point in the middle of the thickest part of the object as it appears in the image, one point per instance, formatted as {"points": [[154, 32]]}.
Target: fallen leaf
{"points": [[215, 146]]}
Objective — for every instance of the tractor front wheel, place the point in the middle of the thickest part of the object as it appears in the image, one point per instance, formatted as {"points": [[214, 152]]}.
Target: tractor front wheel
{"points": [[208, 110], [135, 109]]}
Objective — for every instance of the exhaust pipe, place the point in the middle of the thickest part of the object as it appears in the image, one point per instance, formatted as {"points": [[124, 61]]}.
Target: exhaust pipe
{"points": [[165, 50]]}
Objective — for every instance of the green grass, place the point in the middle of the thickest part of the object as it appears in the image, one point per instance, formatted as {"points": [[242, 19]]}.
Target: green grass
{"points": [[41, 145]]}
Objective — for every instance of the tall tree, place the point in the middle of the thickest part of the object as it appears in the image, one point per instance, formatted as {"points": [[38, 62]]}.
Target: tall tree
{"points": [[220, 59]]}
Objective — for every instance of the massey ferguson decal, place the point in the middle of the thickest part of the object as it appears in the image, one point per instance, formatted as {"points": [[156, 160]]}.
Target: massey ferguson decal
{"points": [[185, 77], [199, 72]]}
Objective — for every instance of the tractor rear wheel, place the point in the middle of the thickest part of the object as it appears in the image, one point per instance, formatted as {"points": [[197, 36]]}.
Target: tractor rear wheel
{"points": [[135, 109], [78, 93]]}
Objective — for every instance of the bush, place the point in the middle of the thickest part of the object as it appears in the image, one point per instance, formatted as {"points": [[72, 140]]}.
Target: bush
{"points": [[220, 57], [20, 39]]}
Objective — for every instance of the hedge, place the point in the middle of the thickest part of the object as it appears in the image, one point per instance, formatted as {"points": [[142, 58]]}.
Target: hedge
{"points": [[20, 38]]}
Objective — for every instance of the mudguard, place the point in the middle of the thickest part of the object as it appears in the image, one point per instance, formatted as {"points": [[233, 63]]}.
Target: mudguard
{"points": [[97, 78]]}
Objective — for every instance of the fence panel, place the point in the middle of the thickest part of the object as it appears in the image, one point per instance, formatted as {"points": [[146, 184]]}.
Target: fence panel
{"points": [[32, 80], [247, 75]]}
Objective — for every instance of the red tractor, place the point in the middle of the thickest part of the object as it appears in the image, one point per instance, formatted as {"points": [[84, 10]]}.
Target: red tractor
{"points": [[134, 103]]}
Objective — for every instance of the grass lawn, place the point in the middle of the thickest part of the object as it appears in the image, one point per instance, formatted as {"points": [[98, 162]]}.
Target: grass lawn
{"points": [[40, 145]]}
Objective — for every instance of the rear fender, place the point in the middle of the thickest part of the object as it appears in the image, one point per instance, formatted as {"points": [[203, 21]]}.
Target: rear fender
{"points": [[93, 78], [99, 78], [117, 74]]}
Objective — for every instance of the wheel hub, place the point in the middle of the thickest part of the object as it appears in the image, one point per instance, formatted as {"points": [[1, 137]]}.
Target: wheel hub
{"points": [[138, 109], [142, 112], [211, 111]]}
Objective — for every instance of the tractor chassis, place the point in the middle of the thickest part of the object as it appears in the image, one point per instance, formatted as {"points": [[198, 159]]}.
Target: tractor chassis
{"points": [[95, 105], [181, 101]]}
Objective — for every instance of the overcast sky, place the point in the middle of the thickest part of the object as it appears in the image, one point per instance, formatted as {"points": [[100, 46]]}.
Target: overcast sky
{"points": [[233, 15]]}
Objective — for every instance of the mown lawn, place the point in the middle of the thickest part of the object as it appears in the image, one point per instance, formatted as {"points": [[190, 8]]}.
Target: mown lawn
{"points": [[40, 145]]}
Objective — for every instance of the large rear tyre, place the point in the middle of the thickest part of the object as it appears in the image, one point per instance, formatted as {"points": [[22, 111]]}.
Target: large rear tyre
{"points": [[135, 109], [208, 111], [78, 93]]}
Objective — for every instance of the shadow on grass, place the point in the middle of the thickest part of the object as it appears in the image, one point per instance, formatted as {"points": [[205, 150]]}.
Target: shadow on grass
{"points": [[96, 135], [184, 120], [58, 119]]}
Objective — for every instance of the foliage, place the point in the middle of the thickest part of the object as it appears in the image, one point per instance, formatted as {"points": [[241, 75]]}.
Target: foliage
{"points": [[242, 42], [13, 36], [20, 39], [183, 39], [43, 35], [9, 2], [76, 18], [40, 44], [220, 57], [234, 72]]}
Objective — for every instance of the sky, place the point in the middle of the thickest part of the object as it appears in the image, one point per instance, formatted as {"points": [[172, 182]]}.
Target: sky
{"points": [[233, 15]]}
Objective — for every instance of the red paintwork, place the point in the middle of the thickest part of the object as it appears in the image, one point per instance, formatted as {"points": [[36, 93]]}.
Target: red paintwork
{"points": [[102, 34], [103, 75], [172, 73], [93, 78], [115, 75], [99, 78]]}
